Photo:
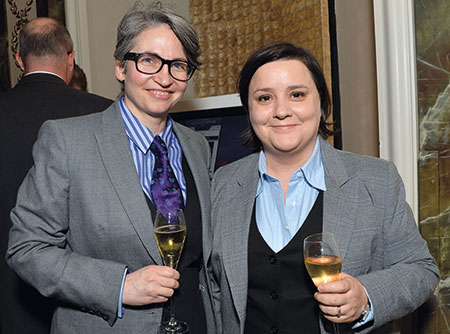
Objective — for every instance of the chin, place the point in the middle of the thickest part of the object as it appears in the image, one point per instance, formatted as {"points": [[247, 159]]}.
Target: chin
{"points": [[288, 146], [159, 108]]}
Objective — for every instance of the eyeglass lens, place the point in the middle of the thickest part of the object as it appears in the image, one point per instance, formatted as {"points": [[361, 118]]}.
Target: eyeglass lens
{"points": [[151, 64]]}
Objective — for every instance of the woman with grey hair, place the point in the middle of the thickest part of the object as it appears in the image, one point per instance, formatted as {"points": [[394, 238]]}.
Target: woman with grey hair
{"points": [[83, 226]]}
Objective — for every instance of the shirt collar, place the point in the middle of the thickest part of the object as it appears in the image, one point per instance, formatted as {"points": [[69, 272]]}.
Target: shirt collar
{"points": [[312, 170], [44, 72], [139, 134]]}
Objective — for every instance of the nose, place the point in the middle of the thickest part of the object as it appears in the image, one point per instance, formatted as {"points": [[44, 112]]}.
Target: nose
{"points": [[163, 77], [281, 109]]}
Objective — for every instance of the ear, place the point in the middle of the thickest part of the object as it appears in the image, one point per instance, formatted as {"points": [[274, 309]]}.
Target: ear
{"points": [[119, 71], [71, 61], [20, 61], [70, 64]]}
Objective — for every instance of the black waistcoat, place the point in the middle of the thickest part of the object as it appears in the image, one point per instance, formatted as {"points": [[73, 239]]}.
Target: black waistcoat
{"points": [[280, 292], [187, 298]]}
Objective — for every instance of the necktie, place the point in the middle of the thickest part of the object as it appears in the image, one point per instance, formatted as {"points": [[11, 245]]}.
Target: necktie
{"points": [[165, 190]]}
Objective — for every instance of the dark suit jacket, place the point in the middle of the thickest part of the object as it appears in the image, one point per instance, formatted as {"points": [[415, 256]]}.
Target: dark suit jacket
{"points": [[35, 99]]}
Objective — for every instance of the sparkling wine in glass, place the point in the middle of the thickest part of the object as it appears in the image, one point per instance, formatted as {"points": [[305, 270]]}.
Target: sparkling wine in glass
{"points": [[170, 233], [322, 260]]}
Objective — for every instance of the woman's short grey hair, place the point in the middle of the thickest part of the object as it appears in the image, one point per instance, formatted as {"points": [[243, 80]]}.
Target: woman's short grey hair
{"points": [[141, 17]]}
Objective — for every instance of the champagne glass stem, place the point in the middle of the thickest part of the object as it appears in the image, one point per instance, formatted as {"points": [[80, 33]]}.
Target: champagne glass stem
{"points": [[172, 321]]}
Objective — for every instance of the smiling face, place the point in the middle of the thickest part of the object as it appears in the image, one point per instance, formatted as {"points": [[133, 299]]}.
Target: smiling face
{"points": [[149, 97], [284, 107]]}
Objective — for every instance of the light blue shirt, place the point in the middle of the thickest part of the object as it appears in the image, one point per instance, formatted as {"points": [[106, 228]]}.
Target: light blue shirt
{"points": [[278, 221]]}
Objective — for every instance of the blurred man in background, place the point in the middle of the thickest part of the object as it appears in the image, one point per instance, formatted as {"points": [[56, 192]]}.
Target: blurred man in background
{"points": [[46, 56]]}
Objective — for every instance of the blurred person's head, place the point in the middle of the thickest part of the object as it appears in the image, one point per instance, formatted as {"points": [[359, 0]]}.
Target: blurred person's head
{"points": [[149, 38], [78, 79], [45, 45], [283, 58]]}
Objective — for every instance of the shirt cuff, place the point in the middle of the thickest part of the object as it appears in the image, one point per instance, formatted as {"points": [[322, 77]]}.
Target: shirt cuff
{"points": [[120, 308], [369, 316]]}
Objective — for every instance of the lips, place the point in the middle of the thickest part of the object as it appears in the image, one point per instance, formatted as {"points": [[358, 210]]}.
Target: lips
{"points": [[160, 94], [284, 126]]}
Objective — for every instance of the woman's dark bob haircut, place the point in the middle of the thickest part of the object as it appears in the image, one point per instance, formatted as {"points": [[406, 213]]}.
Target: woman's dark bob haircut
{"points": [[283, 51]]}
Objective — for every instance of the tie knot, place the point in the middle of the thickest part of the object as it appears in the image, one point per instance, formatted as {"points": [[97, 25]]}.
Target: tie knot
{"points": [[158, 146]]}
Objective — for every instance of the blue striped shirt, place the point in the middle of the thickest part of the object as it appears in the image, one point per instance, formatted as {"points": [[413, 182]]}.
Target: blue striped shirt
{"points": [[140, 138]]}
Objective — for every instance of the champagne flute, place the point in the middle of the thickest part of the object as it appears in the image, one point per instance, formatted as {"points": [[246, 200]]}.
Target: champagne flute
{"points": [[322, 260], [170, 233]]}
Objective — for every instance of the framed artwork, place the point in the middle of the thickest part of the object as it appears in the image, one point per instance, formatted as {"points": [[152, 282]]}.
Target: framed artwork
{"points": [[222, 128]]}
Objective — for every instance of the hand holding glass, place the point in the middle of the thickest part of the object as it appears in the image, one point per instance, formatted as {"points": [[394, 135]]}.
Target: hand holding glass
{"points": [[322, 260], [170, 233]]}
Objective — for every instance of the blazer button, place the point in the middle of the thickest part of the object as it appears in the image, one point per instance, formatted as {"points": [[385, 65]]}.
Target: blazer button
{"points": [[274, 330], [274, 295]]}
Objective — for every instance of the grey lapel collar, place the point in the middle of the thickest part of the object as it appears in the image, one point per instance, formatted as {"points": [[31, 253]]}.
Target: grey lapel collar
{"points": [[115, 153], [201, 180], [340, 198], [235, 232]]}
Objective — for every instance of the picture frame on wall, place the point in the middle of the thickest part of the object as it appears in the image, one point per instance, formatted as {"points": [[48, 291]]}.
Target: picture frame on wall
{"points": [[223, 129]]}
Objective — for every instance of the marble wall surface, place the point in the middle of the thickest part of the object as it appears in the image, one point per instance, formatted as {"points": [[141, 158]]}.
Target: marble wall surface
{"points": [[433, 74]]}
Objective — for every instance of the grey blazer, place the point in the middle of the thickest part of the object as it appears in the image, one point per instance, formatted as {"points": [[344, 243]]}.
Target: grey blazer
{"points": [[364, 207], [81, 218]]}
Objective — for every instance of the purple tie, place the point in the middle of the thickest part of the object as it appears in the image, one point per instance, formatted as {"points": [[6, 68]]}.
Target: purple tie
{"points": [[165, 190]]}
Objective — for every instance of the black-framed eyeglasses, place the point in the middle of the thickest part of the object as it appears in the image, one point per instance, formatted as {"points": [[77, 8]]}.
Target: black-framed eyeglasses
{"points": [[149, 63]]}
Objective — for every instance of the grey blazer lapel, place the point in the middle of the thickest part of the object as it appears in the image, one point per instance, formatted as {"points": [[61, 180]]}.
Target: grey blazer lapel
{"points": [[340, 199], [115, 153], [236, 231], [201, 180]]}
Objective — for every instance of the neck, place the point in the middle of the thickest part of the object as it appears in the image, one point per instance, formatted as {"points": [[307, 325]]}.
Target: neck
{"points": [[279, 164], [282, 165], [62, 67], [157, 128]]}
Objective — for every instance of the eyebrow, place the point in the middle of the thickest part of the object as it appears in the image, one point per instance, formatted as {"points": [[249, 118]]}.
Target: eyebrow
{"points": [[156, 54], [298, 86], [268, 89]]}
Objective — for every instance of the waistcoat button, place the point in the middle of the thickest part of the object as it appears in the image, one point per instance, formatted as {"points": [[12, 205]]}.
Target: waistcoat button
{"points": [[274, 295]]}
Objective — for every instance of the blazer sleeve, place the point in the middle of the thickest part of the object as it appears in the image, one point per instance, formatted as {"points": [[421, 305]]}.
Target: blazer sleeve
{"points": [[38, 249], [409, 275]]}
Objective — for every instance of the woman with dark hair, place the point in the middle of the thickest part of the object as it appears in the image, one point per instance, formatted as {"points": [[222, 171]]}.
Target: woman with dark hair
{"points": [[297, 184], [79, 80]]}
